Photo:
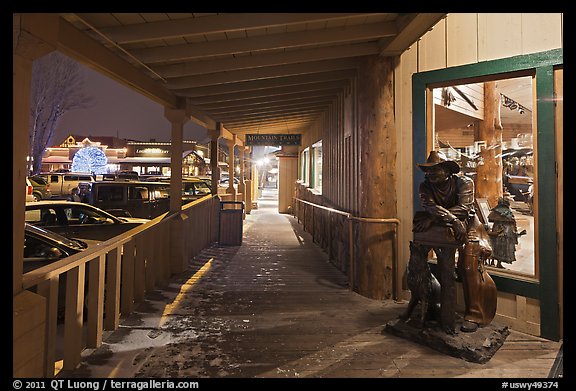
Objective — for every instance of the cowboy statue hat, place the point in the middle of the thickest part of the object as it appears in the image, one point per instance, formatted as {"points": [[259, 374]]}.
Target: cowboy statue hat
{"points": [[438, 158]]}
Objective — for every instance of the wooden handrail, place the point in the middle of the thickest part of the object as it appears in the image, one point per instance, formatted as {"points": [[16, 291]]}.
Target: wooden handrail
{"points": [[44, 273], [369, 220], [126, 266]]}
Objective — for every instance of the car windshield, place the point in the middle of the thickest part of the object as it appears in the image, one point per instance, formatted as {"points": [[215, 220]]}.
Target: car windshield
{"points": [[75, 244]]}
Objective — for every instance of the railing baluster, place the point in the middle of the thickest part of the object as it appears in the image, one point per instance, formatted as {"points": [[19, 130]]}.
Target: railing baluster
{"points": [[112, 297], [49, 290], [73, 320], [128, 270], [95, 306]]}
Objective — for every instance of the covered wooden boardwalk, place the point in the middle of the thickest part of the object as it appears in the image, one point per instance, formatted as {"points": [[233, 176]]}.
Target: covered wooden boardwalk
{"points": [[275, 307]]}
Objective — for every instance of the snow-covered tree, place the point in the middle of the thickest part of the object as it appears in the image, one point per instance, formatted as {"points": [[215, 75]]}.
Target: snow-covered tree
{"points": [[57, 87]]}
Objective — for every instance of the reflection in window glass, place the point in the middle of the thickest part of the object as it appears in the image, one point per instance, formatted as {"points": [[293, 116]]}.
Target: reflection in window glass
{"points": [[487, 127]]}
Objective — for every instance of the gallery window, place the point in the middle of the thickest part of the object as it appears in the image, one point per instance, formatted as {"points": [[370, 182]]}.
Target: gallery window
{"points": [[305, 166], [317, 166], [487, 128], [499, 120]]}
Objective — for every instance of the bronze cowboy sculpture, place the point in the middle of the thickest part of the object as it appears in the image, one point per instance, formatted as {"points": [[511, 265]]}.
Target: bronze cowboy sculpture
{"points": [[448, 223]]}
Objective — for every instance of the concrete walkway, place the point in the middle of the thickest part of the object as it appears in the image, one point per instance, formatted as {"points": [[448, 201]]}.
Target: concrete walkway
{"points": [[276, 307]]}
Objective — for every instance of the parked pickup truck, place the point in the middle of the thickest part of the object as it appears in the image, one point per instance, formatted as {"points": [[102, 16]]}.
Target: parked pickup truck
{"points": [[61, 184]]}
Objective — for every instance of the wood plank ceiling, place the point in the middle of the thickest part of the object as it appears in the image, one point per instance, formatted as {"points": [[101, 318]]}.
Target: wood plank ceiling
{"points": [[257, 72]]}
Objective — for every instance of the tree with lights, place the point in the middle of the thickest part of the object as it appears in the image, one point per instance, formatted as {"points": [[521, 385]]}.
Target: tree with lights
{"points": [[90, 159], [57, 87]]}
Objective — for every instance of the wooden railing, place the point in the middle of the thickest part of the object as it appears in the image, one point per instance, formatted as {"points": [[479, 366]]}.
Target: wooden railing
{"points": [[120, 271], [350, 219]]}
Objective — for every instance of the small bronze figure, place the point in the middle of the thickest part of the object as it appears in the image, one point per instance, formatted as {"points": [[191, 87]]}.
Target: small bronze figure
{"points": [[504, 233]]}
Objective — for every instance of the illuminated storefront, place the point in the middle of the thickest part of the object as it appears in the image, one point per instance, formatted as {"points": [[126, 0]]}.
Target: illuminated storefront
{"points": [[150, 157]]}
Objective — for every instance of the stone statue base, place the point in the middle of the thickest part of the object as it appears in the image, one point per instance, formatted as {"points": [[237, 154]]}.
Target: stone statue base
{"points": [[478, 346]]}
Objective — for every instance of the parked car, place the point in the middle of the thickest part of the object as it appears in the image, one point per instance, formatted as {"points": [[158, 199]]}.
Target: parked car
{"points": [[42, 247], [61, 184], [224, 181], [78, 220], [29, 191], [131, 198], [41, 188], [192, 187], [206, 179], [127, 174]]}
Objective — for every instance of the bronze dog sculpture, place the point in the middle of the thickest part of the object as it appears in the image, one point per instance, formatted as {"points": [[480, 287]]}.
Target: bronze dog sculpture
{"points": [[424, 287]]}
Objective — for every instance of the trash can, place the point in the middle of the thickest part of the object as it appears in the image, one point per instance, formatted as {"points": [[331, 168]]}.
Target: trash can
{"points": [[231, 223]]}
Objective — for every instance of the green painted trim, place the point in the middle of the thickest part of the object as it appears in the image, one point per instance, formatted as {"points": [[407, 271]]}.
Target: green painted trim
{"points": [[418, 134], [493, 67], [517, 287], [547, 236], [508, 284], [541, 64]]}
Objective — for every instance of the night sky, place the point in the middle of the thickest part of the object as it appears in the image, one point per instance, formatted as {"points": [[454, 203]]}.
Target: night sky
{"points": [[121, 112]]}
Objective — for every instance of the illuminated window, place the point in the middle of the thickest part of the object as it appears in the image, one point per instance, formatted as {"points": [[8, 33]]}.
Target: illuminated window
{"points": [[317, 166], [305, 166], [487, 128]]}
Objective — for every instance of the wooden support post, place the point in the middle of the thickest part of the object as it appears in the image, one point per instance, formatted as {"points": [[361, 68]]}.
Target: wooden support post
{"points": [[489, 172], [374, 259], [231, 189], [215, 135], [177, 118], [242, 184], [248, 183], [34, 36]]}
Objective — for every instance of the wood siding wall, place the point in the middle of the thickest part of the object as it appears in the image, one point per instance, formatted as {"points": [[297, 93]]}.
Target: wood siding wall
{"points": [[462, 39], [459, 39]]}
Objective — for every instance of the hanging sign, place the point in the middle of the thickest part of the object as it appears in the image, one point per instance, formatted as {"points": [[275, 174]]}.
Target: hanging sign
{"points": [[273, 139]]}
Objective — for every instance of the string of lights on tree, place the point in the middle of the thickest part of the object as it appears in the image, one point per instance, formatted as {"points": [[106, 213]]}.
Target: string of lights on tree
{"points": [[90, 159]]}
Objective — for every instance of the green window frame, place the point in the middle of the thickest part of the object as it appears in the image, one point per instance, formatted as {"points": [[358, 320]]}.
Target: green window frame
{"points": [[541, 65]]}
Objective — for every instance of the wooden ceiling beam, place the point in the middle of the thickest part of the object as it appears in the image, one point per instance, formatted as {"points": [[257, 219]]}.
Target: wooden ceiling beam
{"points": [[373, 31], [289, 121], [270, 92], [278, 116], [263, 103], [214, 24], [267, 83], [267, 59], [295, 127], [261, 73], [270, 109], [291, 98], [410, 28], [77, 45]]}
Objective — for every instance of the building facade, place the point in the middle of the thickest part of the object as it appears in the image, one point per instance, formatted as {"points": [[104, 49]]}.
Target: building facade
{"points": [[144, 157], [492, 103]]}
